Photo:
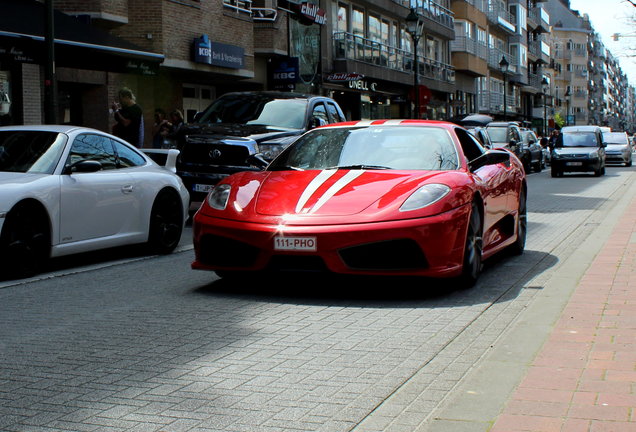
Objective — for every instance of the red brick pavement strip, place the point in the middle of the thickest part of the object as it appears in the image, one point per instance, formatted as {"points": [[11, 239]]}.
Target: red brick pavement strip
{"points": [[584, 378]]}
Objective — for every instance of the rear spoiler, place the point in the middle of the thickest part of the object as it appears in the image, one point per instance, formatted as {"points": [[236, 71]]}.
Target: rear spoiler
{"points": [[167, 158]]}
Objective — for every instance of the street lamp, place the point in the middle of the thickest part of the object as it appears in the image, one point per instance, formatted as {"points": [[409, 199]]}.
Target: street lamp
{"points": [[567, 104], [544, 85], [504, 65], [414, 25]]}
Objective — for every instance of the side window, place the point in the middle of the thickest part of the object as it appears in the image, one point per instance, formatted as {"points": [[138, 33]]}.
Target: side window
{"points": [[93, 147], [514, 132], [333, 112], [471, 147], [320, 112], [127, 157]]}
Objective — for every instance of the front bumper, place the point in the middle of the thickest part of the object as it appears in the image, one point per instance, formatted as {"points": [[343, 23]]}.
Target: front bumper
{"points": [[618, 158], [430, 246], [576, 165]]}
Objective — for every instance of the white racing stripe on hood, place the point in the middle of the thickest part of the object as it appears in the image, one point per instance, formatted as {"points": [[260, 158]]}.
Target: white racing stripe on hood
{"points": [[337, 186], [312, 187]]}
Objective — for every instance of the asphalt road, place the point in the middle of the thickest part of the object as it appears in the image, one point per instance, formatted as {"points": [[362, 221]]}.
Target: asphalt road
{"points": [[121, 341]]}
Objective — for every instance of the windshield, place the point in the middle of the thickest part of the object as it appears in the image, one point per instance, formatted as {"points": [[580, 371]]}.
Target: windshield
{"points": [[581, 139], [257, 110], [615, 138], [498, 134], [528, 136], [30, 151], [374, 147]]}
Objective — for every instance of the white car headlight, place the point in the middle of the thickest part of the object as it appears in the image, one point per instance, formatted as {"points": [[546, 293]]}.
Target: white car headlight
{"points": [[425, 196], [217, 199]]}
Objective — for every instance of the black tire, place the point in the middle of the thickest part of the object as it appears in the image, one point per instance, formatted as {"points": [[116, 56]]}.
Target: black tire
{"points": [[554, 172], [519, 245], [628, 163], [25, 242], [166, 222], [472, 264]]}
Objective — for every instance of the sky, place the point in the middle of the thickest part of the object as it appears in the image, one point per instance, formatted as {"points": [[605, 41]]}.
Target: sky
{"points": [[609, 17]]}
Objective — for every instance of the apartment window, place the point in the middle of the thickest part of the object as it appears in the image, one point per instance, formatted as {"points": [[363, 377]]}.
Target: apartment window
{"points": [[375, 28], [239, 5], [357, 22], [340, 21]]}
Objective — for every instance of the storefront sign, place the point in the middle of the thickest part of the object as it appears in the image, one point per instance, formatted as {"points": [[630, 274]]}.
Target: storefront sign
{"points": [[142, 68], [363, 85], [16, 54], [344, 76], [218, 54], [284, 73], [312, 13]]}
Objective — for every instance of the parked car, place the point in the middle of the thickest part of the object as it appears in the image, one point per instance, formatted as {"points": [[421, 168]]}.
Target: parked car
{"points": [[413, 197], [531, 151], [482, 135], [67, 190], [239, 125], [619, 149], [578, 149], [507, 135]]}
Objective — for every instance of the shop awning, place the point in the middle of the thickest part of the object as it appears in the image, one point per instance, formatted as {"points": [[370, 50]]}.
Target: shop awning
{"points": [[77, 44]]}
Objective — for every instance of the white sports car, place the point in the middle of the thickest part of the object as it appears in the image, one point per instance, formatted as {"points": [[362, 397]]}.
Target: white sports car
{"points": [[68, 189]]}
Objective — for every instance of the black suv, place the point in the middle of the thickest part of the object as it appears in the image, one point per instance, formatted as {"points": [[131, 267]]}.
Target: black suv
{"points": [[578, 149], [237, 126], [507, 135]]}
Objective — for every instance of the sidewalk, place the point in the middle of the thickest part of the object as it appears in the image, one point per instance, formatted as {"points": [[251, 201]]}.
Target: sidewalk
{"points": [[568, 361], [584, 377]]}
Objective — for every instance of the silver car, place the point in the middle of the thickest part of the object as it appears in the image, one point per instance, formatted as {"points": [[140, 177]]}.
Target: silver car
{"points": [[618, 150]]}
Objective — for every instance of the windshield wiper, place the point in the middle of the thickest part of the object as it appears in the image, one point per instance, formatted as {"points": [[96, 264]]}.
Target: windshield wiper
{"points": [[360, 167], [285, 168]]}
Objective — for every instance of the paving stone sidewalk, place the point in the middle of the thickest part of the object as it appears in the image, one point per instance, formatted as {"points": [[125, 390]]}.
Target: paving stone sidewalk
{"points": [[584, 377]]}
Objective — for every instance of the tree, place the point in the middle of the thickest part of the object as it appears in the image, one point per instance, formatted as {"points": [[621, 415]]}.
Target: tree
{"points": [[559, 120]]}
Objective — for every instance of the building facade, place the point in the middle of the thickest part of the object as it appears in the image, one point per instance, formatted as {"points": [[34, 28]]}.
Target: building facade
{"points": [[533, 61]]}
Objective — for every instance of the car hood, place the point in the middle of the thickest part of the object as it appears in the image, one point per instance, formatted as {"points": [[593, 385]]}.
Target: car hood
{"points": [[17, 178], [304, 195], [219, 131], [617, 147], [567, 151]]}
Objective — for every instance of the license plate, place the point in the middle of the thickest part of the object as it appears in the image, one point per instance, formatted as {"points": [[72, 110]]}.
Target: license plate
{"points": [[574, 163], [202, 188], [306, 244]]}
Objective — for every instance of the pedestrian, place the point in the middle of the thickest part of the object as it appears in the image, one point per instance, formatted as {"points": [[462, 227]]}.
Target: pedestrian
{"points": [[129, 118], [554, 137], [176, 118], [161, 129]]}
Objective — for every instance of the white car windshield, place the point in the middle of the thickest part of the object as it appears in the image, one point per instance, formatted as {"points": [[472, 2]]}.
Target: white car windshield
{"points": [[30, 151], [580, 139], [374, 147], [615, 138]]}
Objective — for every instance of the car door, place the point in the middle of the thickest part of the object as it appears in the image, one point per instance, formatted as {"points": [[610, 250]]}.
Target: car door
{"points": [[95, 205], [491, 181]]}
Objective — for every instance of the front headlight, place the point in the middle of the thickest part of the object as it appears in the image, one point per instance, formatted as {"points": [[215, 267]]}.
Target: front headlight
{"points": [[425, 196], [272, 148], [593, 155], [217, 199]]}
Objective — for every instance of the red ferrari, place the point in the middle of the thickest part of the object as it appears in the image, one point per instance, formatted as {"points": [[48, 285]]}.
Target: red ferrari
{"points": [[382, 197]]}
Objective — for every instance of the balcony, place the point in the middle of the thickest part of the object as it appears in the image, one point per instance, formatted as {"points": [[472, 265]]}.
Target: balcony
{"points": [[470, 46], [437, 18], [348, 46], [540, 18], [502, 18]]}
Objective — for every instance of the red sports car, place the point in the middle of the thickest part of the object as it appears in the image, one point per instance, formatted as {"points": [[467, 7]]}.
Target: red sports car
{"points": [[381, 197]]}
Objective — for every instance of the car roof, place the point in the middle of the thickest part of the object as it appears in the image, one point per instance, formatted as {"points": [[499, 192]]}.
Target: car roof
{"points": [[503, 123], [276, 94], [588, 128], [393, 122], [48, 128]]}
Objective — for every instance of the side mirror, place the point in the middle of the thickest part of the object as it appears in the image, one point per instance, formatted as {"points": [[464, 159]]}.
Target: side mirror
{"points": [[257, 160], [83, 166], [316, 121], [494, 157]]}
